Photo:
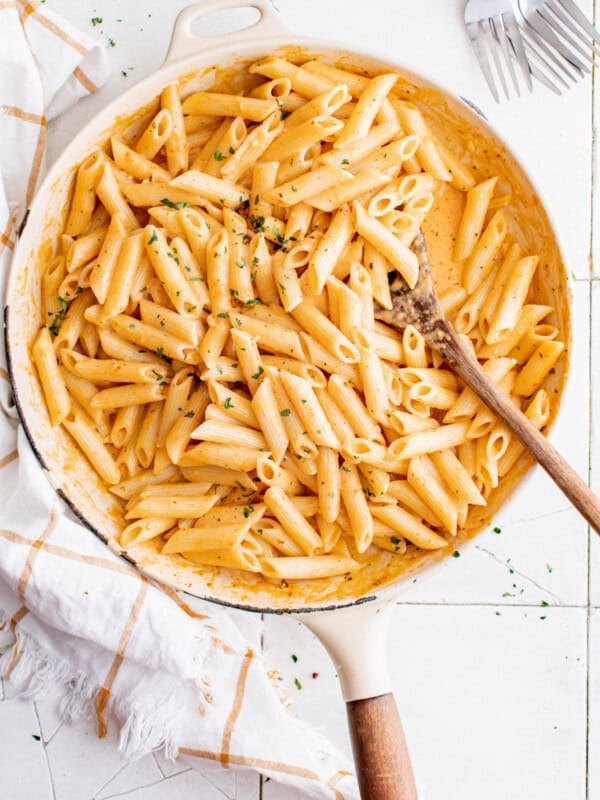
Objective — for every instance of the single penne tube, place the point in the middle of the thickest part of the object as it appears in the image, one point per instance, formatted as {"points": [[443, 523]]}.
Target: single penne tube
{"points": [[537, 368], [128, 394], [217, 272], [253, 147], [292, 520], [374, 385], [377, 480], [272, 532], [359, 123], [424, 479], [114, 346], [297, 137], [405, 423], [308, 185], [264, 177], [356, 506], [481, 260], [398, 254], [439, 377], [402, 491], [309, 372], [108, 370], [428, 155], [217, 190], [220, 476], [135, 164], [329, 249], [328, 479], [224, 149], [506, 270], [228, 433], [409, 527], [102, 271], [143, 530], [463, 177], [354, 157], [89, 440], [304, 568], [324, 104], [361, 184], [175, 507], [456, 478], [241, 558], [240, 276], [184, 328], [413, 345], [154, 339], [229, 105], [270, 337], [325, 332], [169, 271], [178, 437], [432, 395], [272, 90], [287, 282], [173, 489], [363, 451], [125, 423], [249, 359], [225, 537], [512, 300], [128, 488], [261, 266], [423, 442], [147, 435], [306, 404], [82, 391], [176, 146], [51, 377], [109, 194], [152, 193], [353, 409], [303, 82], [84, 194], [378, 271], [155, 135], [123, 274], [538, 413], [473, 217], [231, 457], [336, 418], [451, 299], [197, 231], [234, 403], [85, 248]]}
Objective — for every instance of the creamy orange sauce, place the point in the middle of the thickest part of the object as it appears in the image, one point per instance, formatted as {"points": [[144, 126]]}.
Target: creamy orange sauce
{"points": [[468, 138]]}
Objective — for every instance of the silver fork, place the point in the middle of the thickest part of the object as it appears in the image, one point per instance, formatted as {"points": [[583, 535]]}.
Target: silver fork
{"points": [[496, 39], [565, 30]]}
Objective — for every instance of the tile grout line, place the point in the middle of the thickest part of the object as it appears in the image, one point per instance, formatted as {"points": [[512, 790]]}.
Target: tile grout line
{"points": [[591, 350]]}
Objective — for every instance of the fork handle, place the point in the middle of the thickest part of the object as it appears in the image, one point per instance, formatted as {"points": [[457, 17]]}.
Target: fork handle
{"points": [[565, 477]]}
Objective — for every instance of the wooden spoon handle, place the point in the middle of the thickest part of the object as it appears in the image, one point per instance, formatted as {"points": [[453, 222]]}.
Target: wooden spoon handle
{"points": [[577, 491], [380, 753]]}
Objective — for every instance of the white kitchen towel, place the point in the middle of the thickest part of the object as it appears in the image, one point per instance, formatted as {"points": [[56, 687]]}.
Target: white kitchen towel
{"points": [[89, 624]]}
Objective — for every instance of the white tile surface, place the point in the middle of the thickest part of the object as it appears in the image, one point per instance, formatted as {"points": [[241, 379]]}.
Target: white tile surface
{"points": [[493, 697]]}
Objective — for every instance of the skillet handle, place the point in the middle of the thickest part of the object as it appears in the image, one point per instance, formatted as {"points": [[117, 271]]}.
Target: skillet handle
{"points": [[184, 42], [355, 638], [380, 753]]}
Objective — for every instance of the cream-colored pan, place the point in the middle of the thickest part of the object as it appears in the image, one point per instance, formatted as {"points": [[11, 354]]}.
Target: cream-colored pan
{"points": [[349, 617]]}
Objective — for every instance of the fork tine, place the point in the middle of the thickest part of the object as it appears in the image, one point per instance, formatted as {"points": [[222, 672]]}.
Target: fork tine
{"points": [[505, 48], [532, 37], [531, 50], [514, 34], [539, 23], [568, 22], [494, 47], [560, 28], [543, 79], [578, 15], [476, 34]]}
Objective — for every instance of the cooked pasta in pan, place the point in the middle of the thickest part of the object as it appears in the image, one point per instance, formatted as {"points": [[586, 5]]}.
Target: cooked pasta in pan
{"points": [[209, 338]]}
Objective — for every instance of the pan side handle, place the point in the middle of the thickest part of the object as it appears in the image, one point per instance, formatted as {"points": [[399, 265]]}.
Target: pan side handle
{"points": [[355, 638], [184, 42]]}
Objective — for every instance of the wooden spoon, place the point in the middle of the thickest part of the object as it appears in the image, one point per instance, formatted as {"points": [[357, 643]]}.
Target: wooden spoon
{"points": [[420, 307]]}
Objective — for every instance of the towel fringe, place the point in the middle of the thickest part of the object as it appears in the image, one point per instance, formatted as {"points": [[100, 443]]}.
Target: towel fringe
{"points": [[34, 674]]}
